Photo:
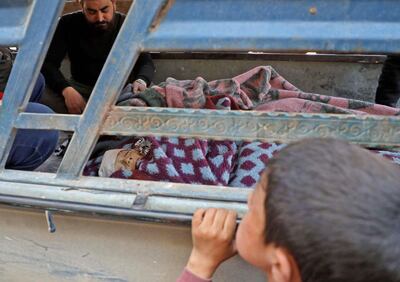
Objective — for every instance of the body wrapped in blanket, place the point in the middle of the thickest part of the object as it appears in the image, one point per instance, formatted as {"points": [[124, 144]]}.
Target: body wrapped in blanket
{"points": [[226, 163]]}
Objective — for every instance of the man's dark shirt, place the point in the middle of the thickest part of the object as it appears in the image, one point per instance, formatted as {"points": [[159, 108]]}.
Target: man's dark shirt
{"points": [[388, 91], [87, 50]]}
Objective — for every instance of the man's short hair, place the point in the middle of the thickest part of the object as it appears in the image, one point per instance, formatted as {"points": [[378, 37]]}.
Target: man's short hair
{"points": [[336, 208]]}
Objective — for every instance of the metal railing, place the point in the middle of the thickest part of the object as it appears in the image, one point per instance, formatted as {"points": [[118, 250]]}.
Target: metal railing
{"points": [[180, 25]]}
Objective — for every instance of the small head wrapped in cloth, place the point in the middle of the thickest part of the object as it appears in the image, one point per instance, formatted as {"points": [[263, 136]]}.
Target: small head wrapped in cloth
{"points": [[117, 159]]}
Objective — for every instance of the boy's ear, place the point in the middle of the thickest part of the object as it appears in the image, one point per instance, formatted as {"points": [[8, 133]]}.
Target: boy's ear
{"points": [[281, 266]]}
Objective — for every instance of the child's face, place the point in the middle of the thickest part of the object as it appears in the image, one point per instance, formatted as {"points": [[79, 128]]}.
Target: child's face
{"points": [[276, 262], [250, 235], [127, 159]]}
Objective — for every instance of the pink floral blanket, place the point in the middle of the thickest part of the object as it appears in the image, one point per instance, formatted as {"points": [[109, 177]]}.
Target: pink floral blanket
{"points": [[227, 163]]}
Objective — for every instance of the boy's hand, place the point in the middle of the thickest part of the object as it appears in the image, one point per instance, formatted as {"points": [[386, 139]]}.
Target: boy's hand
{"points": [[213, 231]]}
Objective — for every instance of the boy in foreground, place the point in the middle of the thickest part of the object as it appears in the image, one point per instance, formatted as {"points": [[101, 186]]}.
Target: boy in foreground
{"points": [[324, 210]]}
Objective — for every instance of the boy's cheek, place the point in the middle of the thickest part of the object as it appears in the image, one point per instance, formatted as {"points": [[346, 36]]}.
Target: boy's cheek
{"points": [[242, 240], [249, 244]]}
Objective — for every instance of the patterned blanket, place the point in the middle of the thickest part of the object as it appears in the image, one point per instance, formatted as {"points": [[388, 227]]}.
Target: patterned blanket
{"points": [[227, 163]]}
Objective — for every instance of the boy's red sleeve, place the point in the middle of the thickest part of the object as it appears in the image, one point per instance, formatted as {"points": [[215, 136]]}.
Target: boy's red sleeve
{"points": [[187, 276]]}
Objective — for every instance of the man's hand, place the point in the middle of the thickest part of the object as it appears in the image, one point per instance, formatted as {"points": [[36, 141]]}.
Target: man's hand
{"points": [[73, 100], [139, 85], [213, 232]]}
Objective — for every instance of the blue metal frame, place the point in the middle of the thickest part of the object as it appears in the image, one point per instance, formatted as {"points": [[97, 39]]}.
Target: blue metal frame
{"points": [[168, 25], [263, 25], [372, 131], [39, 25]]}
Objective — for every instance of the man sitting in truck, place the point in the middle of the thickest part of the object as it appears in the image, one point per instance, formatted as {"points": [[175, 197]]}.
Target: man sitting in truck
{"points": [[86, 37]]}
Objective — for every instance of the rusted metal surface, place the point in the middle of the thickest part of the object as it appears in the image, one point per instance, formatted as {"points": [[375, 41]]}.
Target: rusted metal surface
{"points": [[161, 14]]}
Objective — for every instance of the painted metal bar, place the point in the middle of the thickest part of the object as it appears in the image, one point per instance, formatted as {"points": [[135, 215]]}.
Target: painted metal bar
{"points": [[47, 121], [11, 36], [120, 62], [95, 210], [23, 75], [293, 40], [270, 56], [14, 16], [193, 191], [373, 131], [342, 25], [117, 200], [45, 192], [264, 25], [185, 206]]}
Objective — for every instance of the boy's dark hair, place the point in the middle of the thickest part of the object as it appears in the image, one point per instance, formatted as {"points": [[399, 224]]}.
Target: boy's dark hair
{"points": [[336, 208]]}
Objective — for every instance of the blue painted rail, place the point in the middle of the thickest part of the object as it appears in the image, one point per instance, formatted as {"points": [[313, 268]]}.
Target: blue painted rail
{"points": [[185, 25]]}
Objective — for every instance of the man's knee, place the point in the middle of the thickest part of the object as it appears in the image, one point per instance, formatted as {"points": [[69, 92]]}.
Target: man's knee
{"points": [[38, 108], [50, 137], [32, 147]]}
